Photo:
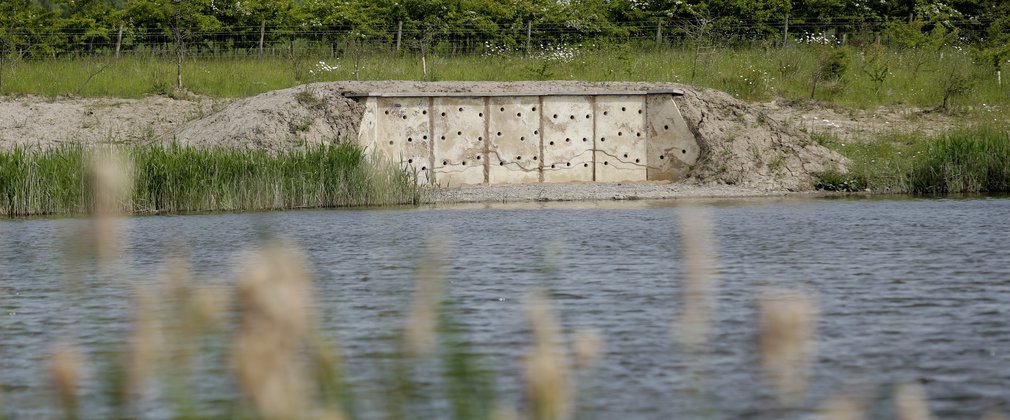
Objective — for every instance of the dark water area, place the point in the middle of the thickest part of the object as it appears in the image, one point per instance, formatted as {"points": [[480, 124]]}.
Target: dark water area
{"points": [[908, 290]]}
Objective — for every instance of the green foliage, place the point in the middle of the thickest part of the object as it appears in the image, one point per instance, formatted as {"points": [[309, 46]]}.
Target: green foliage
{"points": [[184, 179], [971, 160]]}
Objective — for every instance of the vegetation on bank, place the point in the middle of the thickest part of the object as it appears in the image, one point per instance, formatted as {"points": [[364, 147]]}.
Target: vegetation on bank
{"points": [[178, 179], [970, 160]]}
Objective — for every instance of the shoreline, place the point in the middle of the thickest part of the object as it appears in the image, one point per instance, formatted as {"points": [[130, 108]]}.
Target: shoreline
{"points": [[595, 191]]}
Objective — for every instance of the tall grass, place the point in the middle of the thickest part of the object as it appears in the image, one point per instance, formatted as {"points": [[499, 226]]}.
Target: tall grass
{"points": [[184, 179], [970, 160], [903, 77]]}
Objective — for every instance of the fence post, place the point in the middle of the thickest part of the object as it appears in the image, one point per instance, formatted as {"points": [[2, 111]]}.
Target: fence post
{"points": [[119, 39], [785, 32], [263, 30], [399, 34], [529, 36], [659, 33]]}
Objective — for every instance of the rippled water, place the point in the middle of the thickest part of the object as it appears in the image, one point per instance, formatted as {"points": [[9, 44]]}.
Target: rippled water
{"points": [[908, 289]]}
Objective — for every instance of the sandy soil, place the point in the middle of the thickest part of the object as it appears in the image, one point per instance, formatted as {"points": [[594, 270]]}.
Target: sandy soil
{"points": [[747, 149]]}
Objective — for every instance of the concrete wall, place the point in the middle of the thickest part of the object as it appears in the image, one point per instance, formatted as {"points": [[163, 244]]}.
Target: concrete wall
{"points": [[526, 138]]}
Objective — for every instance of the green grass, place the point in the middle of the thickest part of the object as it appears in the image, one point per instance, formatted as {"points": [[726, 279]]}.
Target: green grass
{"points": [[970, 160], [182, 179], [906, 77]]}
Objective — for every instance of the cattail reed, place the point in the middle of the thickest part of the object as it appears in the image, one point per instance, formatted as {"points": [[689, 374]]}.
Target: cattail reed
{"points": [[548, 388], [910, 402], [699, 286], [276, 310], [420, 333], [66, 368], [787, 325]]}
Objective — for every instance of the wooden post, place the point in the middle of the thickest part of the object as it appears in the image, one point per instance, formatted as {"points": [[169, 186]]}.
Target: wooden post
{"points": [[119, 39], [659, 33], [263, 32], [399, 34], [529, 36], [785, 32]]}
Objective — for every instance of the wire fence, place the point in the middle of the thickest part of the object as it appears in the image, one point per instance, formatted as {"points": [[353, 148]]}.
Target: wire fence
{"points": [[285, 41]]}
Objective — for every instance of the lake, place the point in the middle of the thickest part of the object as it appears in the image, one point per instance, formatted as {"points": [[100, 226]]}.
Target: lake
{"points": [[908, 290]]}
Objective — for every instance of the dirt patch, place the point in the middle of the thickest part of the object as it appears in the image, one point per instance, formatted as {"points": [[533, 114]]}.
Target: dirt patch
{"points": [[38, 121]]}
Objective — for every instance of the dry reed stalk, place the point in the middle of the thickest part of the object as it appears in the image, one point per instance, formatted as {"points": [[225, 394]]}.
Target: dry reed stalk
{"points": [[910, 402], [787, 322], [586, 345], [548, 387], [700, 282], [144, 342], [422, 322], [112, 178], [276, 308], [994, 415], [845, 406], [66, 366]]}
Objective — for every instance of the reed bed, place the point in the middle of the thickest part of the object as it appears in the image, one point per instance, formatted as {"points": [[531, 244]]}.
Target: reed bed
{"points": [[175, 179], [968, 160]]}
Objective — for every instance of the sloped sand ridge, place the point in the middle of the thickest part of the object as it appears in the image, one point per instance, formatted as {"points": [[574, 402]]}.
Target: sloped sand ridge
{"points": [[739, 144]]}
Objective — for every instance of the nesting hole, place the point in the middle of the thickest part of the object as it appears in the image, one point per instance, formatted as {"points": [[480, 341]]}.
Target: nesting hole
{"points": [[606, 112], [625, 155], [585, 139], [554, 166], [425, 137], [536, 132], [464, 163], [661, 157], [606, 163], [502, 109], [445, 162], [459, 133], [534, 158], [620, 134], [499, 134], [519, 114], [387, 112], [555, 116], [443, 137], [534, 109], [460, 109], [522, 138], [478, 157], [410, 139], [568, 164], [666, 127], [603, 139], [424, 168], [585, 165], [637, 160], [410, 160], [519, 158], [404, 117], [587, 116], [684, 151], [425, 112], [640, 111], [568, 140], [638, 134], [390, 142], [552, 142], [480, 114], [572, 117], [443, 114], [623, 109]]}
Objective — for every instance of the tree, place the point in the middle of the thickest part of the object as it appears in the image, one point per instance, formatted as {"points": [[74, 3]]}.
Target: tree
{"points": [[182, 19]]}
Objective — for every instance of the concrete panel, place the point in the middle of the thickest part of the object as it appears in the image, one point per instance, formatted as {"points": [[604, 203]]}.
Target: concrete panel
{"points": [[458, 140], [514, 140], [366, 131], [620, 139], [402, 133], [672, 147], [568, 139]]}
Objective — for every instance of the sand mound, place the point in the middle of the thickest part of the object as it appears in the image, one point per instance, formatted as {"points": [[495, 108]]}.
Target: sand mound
{"points": [[741, 145]]}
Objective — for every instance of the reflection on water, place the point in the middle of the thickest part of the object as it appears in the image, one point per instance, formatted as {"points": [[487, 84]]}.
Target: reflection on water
{"points": [[909, 290]]}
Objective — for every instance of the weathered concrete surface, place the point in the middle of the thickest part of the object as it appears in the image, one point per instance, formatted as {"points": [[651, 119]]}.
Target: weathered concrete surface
{"points": [[514, 140], [620, 138], [463, 139], [671, 146], [458, 131], [402, 133], [568, 138]]}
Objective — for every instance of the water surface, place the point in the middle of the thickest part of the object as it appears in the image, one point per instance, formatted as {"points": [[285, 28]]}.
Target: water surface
{"points": [[909, 290]]}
